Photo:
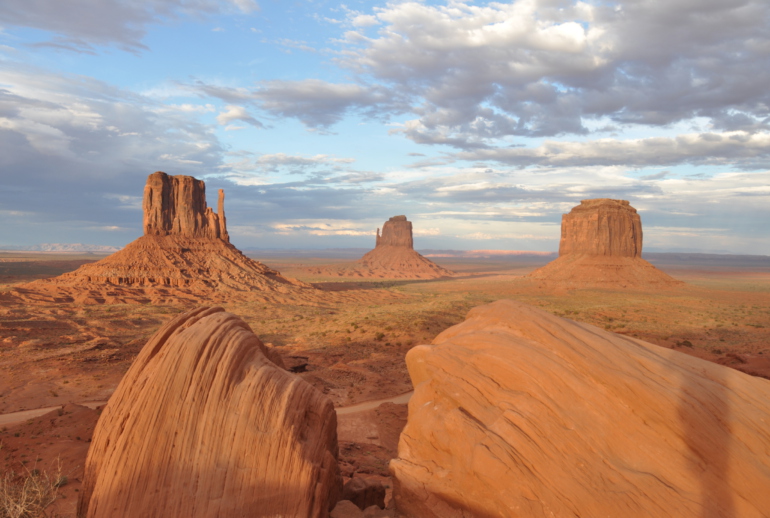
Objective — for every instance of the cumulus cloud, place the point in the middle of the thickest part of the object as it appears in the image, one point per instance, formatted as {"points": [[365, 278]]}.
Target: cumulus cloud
{"points": [[543, 67], [476, 77], [320, 104], [81, 26], [316, 103], [237, 113]]}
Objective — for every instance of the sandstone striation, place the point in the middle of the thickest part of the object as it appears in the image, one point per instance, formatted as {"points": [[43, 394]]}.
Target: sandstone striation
{"points": [[185, 254], [205, 425], [393, 257], [601, 245], [517, 412]]}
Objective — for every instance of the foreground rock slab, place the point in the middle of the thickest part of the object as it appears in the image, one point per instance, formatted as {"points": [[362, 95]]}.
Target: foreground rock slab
{"points": [[205, 425], [517, 412]]}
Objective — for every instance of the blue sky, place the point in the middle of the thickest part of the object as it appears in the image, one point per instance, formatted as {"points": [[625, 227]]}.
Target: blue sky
{"points": [[482, 122]]}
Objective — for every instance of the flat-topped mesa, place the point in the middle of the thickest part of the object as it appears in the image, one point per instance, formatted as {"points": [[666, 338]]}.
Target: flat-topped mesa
{"points": [[176, 205], [397, 231], [602, 227]]}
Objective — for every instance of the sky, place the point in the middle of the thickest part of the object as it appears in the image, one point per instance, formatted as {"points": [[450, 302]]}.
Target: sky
{"points": [[482, 122]]}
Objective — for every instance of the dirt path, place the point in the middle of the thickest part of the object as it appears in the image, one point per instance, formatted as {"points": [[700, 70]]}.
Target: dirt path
{"points": [[368, 405], [24, 415]]}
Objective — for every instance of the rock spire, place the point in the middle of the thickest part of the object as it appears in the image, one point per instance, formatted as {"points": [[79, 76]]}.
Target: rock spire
{"points": [[176, 205]]}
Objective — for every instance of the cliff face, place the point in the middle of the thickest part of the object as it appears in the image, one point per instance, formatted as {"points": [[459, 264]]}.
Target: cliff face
{"points": [[397, 231], [602, 227], [601, 245], [517, 412], [176, 205], [205, 425]]}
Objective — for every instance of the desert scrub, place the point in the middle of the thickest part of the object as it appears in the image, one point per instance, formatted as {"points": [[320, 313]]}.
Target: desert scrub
{"points": [[27, 495]]}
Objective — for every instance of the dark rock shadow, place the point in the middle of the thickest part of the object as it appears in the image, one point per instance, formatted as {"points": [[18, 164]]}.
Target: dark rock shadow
{"points": [[704, 412]]}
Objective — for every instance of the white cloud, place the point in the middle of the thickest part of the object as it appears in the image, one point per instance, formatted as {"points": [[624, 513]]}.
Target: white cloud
{"points": [[728, 148], [364, 20], [322, 228], [237, 113], [480, 73], [274, 162]]}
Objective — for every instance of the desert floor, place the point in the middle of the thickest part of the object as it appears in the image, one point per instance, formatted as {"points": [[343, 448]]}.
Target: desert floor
{"points": [[351, 348]]}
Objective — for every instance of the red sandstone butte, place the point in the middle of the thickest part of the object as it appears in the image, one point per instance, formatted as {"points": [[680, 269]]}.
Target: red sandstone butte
{"points": [[602, 227], [393, 257], [397, 231], [205, 425], [185, 254], [519, 413], [601, 245], [176, 205]]}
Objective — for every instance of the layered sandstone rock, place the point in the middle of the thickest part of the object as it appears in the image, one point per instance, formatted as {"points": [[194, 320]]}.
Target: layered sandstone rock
{"points": [[393, 257], [602, 227], [601, 245], [517, 412], [397, 231], [185, 253], [205, 425], [176, 205]]}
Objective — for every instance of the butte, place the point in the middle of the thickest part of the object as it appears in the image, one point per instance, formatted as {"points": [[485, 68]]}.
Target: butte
{"points": [[601, 246], [393, 257], [184, 254]]}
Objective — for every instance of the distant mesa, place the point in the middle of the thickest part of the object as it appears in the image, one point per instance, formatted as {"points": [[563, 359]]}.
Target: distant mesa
{"points": [[185, 254], [601, 245], [397, 231], [205, 425], [517, 412], [393, 257]]}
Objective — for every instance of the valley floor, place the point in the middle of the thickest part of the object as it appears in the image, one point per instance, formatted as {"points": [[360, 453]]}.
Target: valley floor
{"points": [[349, 344]]}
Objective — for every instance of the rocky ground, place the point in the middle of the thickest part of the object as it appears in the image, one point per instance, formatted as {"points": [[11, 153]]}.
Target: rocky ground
{"points": [[349, 345]]}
